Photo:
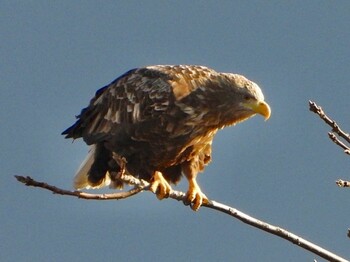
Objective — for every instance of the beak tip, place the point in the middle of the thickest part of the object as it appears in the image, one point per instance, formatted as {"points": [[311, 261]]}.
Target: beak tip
{"points": [[259, 107], [265, 110]]}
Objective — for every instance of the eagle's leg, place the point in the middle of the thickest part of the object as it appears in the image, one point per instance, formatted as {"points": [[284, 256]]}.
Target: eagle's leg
{"points": [[160, 186], [194, 195]]}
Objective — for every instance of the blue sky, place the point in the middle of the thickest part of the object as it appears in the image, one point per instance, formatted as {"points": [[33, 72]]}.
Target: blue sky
{"points": [[56, 54]]}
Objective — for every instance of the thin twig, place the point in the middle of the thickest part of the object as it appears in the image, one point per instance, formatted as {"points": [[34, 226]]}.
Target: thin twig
{"points": [[342, 183], [335, 127], [141, 185], [336, 140], [336, 130]]}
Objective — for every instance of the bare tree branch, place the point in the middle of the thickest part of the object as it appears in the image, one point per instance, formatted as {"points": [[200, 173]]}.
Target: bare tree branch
{"points": [[336, 140], [335, 127], [336, 130], [28, 181], [342, 183], [141, 185]]}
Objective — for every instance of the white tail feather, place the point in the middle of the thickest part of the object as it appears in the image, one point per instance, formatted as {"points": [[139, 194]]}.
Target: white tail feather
{"points": [[81, 176]]}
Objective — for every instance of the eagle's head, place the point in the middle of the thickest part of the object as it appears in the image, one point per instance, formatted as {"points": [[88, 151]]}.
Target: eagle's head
{"points": [[243, 100]]}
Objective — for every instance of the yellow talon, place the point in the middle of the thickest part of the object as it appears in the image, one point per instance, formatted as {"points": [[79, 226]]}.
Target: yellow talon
{"points": [[194, 196], [160, 186]]}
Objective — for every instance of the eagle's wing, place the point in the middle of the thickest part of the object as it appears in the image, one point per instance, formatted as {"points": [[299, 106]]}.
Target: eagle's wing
{"points": [[138, 96]]}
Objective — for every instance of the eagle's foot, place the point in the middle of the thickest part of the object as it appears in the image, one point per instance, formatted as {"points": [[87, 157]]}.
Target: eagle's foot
{"points": [[160, 186], [194, 196]]}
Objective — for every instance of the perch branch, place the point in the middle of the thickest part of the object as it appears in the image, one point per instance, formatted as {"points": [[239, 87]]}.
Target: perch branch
{"points": [[28, 181], [141, 185]]}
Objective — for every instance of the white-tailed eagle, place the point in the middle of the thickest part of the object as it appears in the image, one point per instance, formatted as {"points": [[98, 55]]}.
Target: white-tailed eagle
{"points": [[162, 120]]}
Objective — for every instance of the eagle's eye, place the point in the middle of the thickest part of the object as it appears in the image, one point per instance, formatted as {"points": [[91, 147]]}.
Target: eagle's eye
{"points": [[246, 97]]}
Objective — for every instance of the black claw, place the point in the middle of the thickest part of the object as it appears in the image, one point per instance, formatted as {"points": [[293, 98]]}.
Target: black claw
{"points": [[186, 202]]}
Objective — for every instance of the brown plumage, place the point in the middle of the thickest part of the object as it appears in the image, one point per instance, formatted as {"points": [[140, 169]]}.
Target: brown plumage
{"points": [[162, 120]]}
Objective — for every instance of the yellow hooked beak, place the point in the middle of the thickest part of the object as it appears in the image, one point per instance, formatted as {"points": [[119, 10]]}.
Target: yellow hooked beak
{"points": [[259, 107]]}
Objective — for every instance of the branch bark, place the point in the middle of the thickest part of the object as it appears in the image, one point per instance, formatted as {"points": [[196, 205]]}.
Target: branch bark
{"points": [[141, 185], [335, 135], [28, 181], [342, 183], [335, 127]]}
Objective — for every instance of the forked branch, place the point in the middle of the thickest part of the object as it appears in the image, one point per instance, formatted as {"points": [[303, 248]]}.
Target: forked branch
{"points": [[335, 135], [141, 185], [336, 130]]}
